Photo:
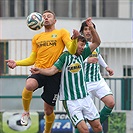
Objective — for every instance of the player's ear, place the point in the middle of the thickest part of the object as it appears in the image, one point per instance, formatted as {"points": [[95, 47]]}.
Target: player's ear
{"points": [[55, 21]]}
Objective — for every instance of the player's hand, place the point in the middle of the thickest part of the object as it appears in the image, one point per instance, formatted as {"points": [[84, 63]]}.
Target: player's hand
{"points": [[35, 70], [11, 63], [75, 34], [92, 60], [89, 23], [110, 71]]}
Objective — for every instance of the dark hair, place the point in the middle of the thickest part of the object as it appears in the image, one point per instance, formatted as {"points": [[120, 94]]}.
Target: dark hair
{"points": [[49, 12], [82, 39], [83, 25]]}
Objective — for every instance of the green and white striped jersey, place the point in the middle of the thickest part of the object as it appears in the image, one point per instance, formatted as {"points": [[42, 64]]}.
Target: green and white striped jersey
{"points": [[92, 71], [73, 85]]}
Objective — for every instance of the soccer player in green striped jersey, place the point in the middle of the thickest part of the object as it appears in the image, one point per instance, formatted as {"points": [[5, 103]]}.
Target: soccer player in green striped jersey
{"points": [[96, 84], [73, 91]]}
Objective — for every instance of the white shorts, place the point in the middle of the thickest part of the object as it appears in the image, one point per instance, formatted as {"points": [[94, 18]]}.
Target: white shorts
{"points": [[81, 109], [98, 89]]}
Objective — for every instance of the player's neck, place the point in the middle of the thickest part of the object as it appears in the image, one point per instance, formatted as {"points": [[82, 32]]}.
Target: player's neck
{"points": [[89, 39], [49, 29]]}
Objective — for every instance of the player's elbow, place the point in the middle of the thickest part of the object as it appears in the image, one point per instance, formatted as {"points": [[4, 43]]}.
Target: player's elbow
{"points": [[31, 62], [98, 42]]}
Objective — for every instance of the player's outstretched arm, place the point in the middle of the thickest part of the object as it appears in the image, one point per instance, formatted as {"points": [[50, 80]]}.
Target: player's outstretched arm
{"points": [[28, 61], [95, 37], [47, 71], [25, 62]]}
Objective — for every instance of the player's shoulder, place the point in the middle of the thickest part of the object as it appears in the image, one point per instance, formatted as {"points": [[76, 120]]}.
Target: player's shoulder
{"points": [[97, 49], [65, 53], [37, 35], [63, 30]]}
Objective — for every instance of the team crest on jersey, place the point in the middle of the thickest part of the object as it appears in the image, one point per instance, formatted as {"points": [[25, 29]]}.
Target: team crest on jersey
{"points": [[74, 68], [54, 36]]}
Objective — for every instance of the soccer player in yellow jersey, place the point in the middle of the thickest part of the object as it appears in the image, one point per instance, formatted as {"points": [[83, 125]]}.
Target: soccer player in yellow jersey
{"points": [[46, 49]]}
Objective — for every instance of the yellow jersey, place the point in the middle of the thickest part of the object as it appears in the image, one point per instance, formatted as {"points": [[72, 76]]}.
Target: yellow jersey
{"points": [[47, 47]]}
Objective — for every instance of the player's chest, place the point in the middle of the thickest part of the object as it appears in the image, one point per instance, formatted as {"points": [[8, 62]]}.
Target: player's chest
{"points": [[52, 39], [74, 65]]}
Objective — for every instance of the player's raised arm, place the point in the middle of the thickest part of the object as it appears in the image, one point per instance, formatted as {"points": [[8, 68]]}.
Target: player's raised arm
{"points": [[95, 37], [47, 71]]}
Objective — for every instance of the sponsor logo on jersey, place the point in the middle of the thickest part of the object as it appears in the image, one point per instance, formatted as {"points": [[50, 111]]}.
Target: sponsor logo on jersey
{"points": [[74, 68], [47, 43], [54, 36]]}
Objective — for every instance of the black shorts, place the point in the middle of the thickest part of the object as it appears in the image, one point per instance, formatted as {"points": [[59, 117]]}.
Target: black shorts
{"points": [[50, 84]]}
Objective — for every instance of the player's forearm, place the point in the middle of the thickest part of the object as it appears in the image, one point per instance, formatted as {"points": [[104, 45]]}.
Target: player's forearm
{"points": [[49, 71], [101, 61], [72, 46], [28, 61], [96, 38]]}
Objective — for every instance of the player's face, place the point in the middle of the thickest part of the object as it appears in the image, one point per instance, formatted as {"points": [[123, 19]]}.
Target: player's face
{"points": [[87, 33], [80, 48], [49, 19]]}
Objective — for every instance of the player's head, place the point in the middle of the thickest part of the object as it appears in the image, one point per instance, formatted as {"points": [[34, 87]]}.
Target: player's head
{"points": [[84, 30], [81, 41], [49, 18], [49, 11]]}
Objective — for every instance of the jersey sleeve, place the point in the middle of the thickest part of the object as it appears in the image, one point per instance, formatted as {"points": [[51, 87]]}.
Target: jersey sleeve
{"points": [[98, 50], [60, 62], [28, 61], [71, 45], [102, 61]]}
